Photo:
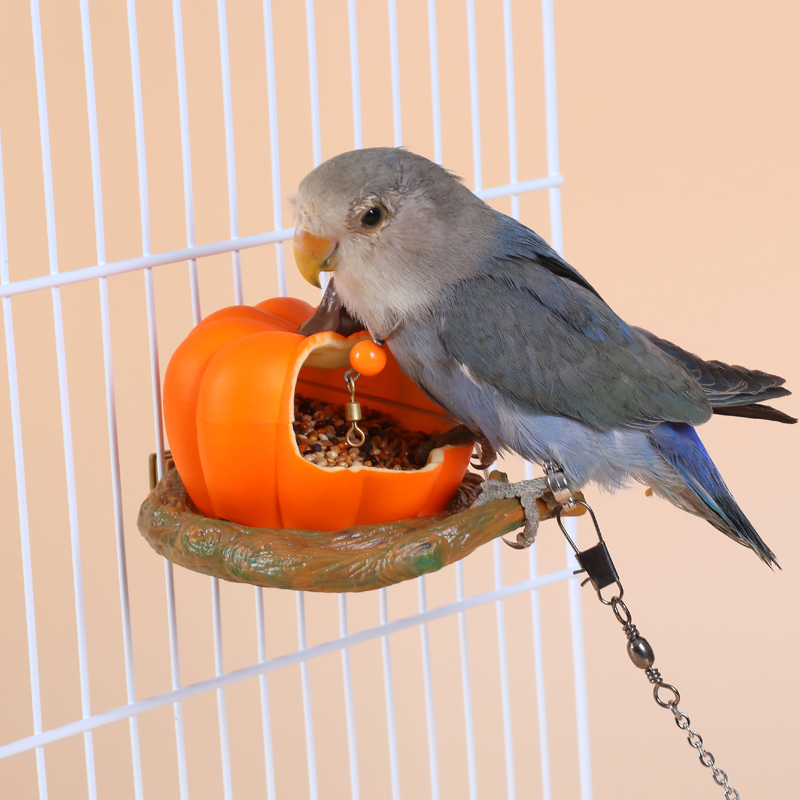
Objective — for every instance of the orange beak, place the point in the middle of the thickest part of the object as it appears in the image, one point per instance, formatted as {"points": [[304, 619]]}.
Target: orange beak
{"points": [[312, 254]]}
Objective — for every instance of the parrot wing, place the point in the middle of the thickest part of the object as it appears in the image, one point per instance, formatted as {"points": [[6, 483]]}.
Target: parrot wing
{"points": [[730, 389], [552, 347]]}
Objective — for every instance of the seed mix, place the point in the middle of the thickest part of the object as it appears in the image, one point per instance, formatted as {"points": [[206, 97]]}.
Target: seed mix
{"points": [[320, 432]]}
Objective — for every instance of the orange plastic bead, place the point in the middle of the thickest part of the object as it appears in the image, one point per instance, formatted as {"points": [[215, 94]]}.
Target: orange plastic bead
{"points": [[368, 358]]}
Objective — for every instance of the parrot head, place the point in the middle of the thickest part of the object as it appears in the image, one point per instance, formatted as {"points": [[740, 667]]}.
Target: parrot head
{"points": [[393, 227]]}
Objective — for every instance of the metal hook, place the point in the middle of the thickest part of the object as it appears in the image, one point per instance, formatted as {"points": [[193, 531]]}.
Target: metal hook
{"points": [[564, 530], [377, 339], [595, 561], [350, 378], [355, 437]]}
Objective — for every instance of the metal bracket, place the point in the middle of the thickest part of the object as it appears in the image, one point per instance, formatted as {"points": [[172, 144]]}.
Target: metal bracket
{"points": [[557, 482], [595, 561], [169, 463]]}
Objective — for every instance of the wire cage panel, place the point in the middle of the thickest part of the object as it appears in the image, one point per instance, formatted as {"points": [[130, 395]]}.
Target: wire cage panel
{"points": [[147, 149]]}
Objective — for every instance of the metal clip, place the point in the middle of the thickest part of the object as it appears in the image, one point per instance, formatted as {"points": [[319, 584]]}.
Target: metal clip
{"points": [[352, 411], [557, 482], [596, 561], [382, 341]]}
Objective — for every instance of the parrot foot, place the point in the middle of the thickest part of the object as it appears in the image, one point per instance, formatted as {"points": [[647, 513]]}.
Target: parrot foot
{"points": [[528, 492]]}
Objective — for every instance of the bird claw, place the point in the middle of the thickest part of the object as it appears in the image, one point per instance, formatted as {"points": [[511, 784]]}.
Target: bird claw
{"points": [[487, 456], [524, 540], [527, 492]]}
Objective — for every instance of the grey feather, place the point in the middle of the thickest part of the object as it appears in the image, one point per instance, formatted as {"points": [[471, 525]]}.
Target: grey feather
{"points": [[725, 385], [755, 411], [574, 358]]}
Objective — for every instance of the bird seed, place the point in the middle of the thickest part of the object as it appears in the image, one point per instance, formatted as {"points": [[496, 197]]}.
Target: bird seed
{"points": [[320, 433]]}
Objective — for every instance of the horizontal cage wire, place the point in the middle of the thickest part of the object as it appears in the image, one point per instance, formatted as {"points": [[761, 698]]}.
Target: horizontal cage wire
{"points": [[147, 114]]}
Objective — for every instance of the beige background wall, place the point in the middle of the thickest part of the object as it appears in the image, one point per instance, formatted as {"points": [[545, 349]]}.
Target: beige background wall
{"points": [[678, 133]]}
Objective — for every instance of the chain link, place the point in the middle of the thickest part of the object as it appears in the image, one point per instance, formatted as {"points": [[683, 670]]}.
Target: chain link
{"points": [[602, 574], [706, 757], [637, 644]]}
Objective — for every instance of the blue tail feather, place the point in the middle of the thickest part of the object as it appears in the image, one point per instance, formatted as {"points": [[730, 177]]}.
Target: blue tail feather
{"points": [[680, 445]]}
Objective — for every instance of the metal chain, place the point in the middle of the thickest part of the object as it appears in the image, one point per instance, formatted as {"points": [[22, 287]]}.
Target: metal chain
{"points": [[597, 564], [706, 758], [642, 656]]}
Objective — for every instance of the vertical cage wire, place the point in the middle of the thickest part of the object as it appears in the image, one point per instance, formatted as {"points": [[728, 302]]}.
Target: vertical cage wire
{"points": [[222, 711], [394, 763], [277, 220], [186, 156], [505, 691], [433, 54], [230, 154], [557, 241], [538, 667], [313, 80], [308, 719], [22, 494], [466, 686], [63, 390], [427, 676], [349, 707], [266, 720], [108, 364], [274, 149]]}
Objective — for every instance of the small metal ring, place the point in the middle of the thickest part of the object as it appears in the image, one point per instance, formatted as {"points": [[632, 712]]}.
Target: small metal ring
{"points": [[706, 758], [682, 721], [669, 688], [616, 602], [355, 441], [715, 774], [695, 740]]}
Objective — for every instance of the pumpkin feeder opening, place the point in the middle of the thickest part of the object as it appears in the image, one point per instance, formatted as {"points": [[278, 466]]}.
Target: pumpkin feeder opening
{"points": [[395, 429], [360, 494]]}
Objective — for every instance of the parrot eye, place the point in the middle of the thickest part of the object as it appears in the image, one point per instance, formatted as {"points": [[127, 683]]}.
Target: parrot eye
{"points": [[372, 217]]}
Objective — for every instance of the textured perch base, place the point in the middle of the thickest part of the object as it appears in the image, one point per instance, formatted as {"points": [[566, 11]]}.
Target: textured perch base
{"points": [[354, 559]]}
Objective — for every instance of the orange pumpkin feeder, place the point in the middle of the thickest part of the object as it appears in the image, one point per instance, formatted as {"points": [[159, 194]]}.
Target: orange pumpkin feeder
{"points": [[229, 407]]}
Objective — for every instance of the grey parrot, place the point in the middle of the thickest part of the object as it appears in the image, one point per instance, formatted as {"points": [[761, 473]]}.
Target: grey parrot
{"points": [[513, 341]]}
